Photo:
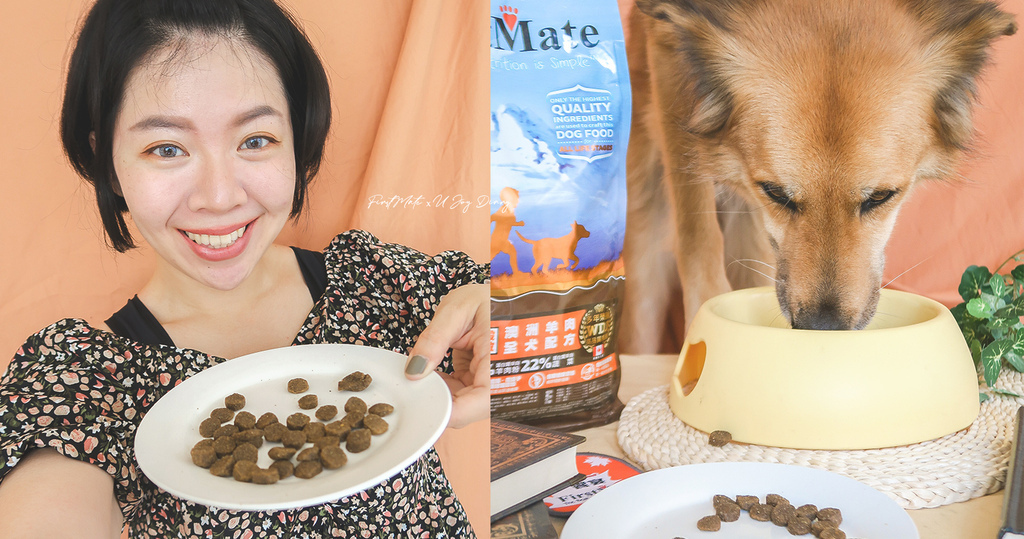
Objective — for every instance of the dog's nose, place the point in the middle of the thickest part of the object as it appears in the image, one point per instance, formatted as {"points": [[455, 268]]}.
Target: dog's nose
{"points": [[823, 316]]}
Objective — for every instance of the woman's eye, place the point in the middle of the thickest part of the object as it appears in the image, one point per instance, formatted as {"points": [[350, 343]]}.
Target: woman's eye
{"points": [[167, 151], [255, 143]]}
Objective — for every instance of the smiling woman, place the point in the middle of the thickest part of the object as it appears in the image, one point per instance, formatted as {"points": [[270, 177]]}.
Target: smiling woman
{"points": [[200, 126]]}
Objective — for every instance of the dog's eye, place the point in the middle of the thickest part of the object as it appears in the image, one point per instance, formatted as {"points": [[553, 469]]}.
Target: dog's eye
{"points": [[876, 199], [778, 195]]}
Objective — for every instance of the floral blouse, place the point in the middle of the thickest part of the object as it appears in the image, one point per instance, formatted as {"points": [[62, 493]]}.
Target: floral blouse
{"points": [[83, 391]]}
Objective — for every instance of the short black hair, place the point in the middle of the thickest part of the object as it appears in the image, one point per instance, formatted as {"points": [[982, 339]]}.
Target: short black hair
{"points": [[118, 35]]}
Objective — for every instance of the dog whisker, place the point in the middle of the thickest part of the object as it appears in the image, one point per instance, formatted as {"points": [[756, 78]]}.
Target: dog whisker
{"points": [[905, 271], [754, 260], [765, 275]]}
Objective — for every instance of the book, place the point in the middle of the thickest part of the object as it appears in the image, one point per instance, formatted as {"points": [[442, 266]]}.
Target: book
{"points": [[529, 463], [533, 522]]}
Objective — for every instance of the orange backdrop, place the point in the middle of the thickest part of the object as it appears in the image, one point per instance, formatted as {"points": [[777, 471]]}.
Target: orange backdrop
{"points": [[410, 85], [977, 218]]}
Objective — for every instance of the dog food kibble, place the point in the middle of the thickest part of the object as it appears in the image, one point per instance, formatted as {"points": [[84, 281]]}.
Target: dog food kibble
{"points": [[235, 401], [297, 421], [357, 440], [298, 385], [224, 445], [266, 420], [719, 500], [243, 471], [314, 431], [327, 412], [381, 409], [337, 428], [332, 457], [709, 523], [831, 514], [284, 468], [308, 469], [203, 454], [808, 510], [222, 414], [728, 512], [308, 402], [251, 436], [782, 513], [225, 430], [353, 419], [328, 441], [356, 405], [245, 452], [376, 425], [761, 512], [832, 533], [265, 477], [799, 525], [294, 438], [745, 502], [282, 453], [274, 432], [223, 466], [356, 381], [245, 421], [208, 427], [719, 438], [310, 453], [775, 499]]}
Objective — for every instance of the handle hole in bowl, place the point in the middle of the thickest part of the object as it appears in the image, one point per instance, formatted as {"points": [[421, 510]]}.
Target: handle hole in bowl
{"points": [[693, 365]]}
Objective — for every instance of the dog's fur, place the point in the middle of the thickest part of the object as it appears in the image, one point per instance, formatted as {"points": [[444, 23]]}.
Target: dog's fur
{"points": [[810, 121]]}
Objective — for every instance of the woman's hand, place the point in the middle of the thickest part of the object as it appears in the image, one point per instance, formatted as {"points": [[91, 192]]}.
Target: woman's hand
{"points": [[462, 323]]}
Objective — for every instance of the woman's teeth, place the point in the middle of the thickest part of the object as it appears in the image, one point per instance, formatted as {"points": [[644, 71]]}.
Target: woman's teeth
{"points": [[216, 242]]}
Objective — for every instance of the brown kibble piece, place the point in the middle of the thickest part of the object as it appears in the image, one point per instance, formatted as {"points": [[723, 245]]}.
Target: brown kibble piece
{"points": [[761, 512], [327, 412], [799, 525], [375, 424], [338, 428], [381, 409], [222, 414], [226, 430], [203, 454], [298, 385], [265, 477], [245, 421], [266, 420], [310, 453], [328, 441], [745, 502], [243, 471], [356, 381], [274, 432], [251, 436], [235, 401], [782, 513], [358, 440], [245, 452], [833, 533], [720, 499], [808, 510], [775, 499], [282, 453], [819, 526], [284, 468], [728, 512], [297, 421], [719, 438], [308, 469], [353, 419], [709, 523], [223, 466], [293, 438], [314, 431], [355, 404], [308, 402], [208, 427], [224, 445], [831, 514], [332, 457]]}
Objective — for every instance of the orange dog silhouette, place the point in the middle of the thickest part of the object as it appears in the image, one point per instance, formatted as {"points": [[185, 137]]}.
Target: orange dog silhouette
{"points": [[504, 219], [563, 248]]}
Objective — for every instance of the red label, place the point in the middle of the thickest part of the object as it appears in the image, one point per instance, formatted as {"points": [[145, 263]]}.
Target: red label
{"points": [[530, 337], [602, 472], [553, 378]]}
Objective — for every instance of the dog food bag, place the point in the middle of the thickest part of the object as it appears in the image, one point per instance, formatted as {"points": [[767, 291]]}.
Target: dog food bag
{"points": [[560, 116]]}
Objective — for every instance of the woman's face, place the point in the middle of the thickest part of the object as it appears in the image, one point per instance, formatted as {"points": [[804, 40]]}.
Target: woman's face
{"points": [[204, 158]]}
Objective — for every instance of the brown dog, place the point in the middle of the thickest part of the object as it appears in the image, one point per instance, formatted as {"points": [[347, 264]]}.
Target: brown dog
{"points": [[808, 120]]}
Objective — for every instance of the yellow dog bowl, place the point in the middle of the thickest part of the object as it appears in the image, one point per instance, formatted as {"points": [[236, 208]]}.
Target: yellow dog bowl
{"points": [[906, 378]]}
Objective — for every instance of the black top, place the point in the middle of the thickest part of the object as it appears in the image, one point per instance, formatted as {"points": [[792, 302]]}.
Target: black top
{"points": [[135, 322]]}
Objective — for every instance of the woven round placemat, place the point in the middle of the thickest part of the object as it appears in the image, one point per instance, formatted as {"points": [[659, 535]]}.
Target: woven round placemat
{"points": [[966, 464]]}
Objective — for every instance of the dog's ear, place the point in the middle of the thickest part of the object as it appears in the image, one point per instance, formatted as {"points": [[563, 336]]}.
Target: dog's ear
{"points": [[702, 27], [962, 33]]}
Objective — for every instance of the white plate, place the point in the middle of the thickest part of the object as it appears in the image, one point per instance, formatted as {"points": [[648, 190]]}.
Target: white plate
{"points": [[667, 503], [167, 433]]}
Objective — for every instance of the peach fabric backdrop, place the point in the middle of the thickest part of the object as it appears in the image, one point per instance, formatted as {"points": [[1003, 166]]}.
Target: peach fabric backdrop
{"points": [[978, 219], [410, 87]]}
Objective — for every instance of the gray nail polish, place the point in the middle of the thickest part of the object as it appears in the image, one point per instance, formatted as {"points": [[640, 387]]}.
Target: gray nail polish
{"points": [[416, 365]]}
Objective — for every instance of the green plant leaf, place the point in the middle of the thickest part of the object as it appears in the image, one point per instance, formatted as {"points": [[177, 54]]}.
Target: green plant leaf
{"points": [[976, 351], [979, 308], [1018, 274], [1018, 343], [982, 397], [959, 312], [992, 359], [1013, 310], [973, 279], [998, 285], [1006, 392], [1014, 360]]}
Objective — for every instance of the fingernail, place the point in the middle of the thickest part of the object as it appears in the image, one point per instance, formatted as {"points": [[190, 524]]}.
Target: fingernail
{"points": [[416, 365]]}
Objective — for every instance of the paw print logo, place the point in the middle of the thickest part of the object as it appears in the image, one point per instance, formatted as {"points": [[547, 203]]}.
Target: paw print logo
{"points": [[510, 14]]}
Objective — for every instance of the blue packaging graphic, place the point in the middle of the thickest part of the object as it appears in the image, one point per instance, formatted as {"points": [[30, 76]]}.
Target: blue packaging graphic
{"points": [[560, 117]]}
